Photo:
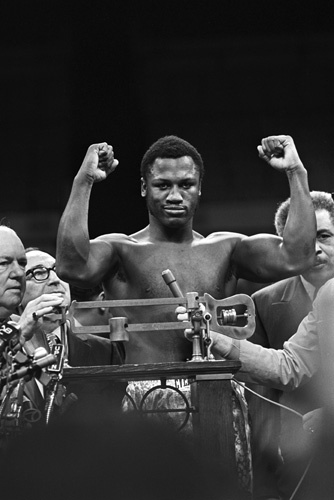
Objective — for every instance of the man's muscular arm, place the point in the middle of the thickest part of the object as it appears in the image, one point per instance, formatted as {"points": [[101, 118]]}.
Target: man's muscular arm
{"points": [[269, 258], [79, 260]]}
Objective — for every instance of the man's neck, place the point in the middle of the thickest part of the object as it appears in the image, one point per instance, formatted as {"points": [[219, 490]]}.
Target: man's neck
{"points": [[5, 314], [160, 233], [309, 287], [49, 325]]}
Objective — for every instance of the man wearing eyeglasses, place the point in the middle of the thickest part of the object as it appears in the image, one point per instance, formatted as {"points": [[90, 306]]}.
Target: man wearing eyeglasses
{"points": [[13, 261], [15, 330], [41, 278], [79, 350]]}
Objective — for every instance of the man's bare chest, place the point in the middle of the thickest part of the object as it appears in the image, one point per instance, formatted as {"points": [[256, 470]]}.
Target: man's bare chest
{"points": [[196, 270]]}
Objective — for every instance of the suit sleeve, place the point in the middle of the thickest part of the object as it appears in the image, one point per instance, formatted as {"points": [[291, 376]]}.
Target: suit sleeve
{"points": [[285, 368]]}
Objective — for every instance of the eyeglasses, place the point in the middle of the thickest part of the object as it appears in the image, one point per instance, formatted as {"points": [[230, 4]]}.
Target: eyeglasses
{"points": [[40, 273]]}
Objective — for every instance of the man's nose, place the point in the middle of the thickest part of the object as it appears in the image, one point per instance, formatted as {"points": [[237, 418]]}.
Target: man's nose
{"points": [[174, 195], [318, 248], [17, 271], [53, 278]]}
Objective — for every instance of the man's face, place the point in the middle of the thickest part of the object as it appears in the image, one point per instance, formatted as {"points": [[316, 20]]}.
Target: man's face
{"points": [[323, 269], [172, 190], [12, 271], [52, 284]]}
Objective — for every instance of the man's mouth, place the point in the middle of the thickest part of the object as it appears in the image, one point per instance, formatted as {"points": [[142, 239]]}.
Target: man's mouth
{"points": [[174, 209], [17, 288]]}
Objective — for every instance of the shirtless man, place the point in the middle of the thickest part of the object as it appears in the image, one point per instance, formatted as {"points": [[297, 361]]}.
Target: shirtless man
{"points": [[130, 267]]}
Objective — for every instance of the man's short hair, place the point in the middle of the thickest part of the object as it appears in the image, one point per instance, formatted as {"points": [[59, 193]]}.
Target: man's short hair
{"points": [[32, 249], [170, 146], [321, 201]]}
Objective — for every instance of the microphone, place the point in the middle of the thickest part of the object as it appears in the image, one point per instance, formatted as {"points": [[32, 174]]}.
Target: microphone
{"points": [[34, 366], [195, 316], [170, 281], [8, 331], [55, 372], [40, 352]]}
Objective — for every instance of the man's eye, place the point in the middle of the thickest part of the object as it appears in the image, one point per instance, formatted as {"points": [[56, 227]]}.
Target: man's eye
{"points": [[39, 273], [324, 236], [3, 265]]}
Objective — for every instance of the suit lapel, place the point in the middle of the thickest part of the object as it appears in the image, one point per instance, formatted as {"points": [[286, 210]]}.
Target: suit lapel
{"points": [[33, 393], [37, 340], [292, 287]]}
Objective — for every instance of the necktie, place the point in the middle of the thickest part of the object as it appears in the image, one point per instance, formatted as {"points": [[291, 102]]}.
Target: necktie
{"points": [[52, 339]]}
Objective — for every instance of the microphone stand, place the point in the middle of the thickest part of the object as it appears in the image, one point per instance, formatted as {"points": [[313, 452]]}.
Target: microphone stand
{"points": [[21, 368], [55, 371]]}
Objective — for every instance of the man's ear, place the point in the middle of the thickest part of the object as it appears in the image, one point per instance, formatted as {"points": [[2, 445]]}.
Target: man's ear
{"points": [[143, 188], [101, 296]]}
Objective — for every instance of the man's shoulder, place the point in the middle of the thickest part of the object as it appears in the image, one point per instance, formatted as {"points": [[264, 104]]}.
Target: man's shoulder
{"points": [[93, 339], [140, 237], [90, 350], [275, 289], [223, 237], [115, 238], [326, 289]]}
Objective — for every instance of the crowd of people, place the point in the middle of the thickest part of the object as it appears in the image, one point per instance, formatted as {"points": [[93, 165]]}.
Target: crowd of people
{"points": [[297, 262]]}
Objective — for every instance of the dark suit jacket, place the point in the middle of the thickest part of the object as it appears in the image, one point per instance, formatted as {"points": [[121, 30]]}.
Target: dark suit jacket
{"points": [[280, 308], [95, 400]]}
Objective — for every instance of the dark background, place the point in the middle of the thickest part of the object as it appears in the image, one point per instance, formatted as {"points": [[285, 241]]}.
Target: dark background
{"points": [[221, 74]]}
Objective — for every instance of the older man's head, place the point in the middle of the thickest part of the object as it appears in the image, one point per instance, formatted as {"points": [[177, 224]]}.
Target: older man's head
{"points": [[41, 277], [13, 262]]}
